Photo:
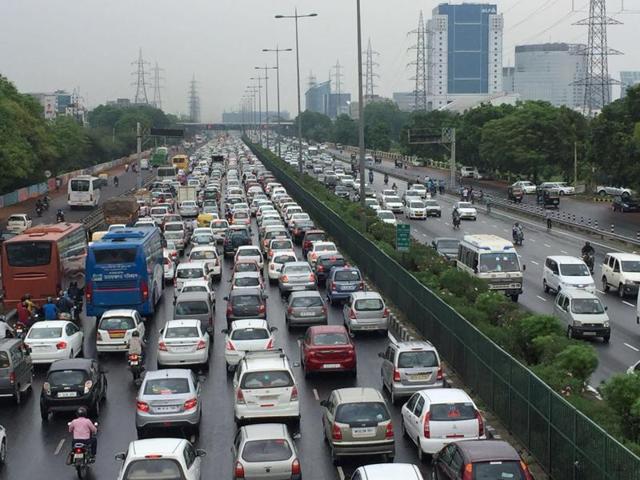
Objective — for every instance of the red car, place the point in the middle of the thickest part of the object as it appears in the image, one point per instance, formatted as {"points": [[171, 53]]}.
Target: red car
{"points": [[328, 348]]}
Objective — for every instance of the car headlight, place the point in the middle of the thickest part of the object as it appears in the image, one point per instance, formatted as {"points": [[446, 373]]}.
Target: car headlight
{"points": [[577, 323]]}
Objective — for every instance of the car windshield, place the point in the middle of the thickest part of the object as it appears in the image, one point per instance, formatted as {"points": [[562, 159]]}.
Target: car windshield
{"points": [[393, 199], [296, 270], [194, 288], [347, 276], [421, 359], [174, 235], [203, 255], [497, 470], [574, 270], [250, 334], [116, 323], [305, 302], [360, 412], [281, 245], [43, 333], [67, 378], [246, 267], [431, 203], [465, 205], [330, 338], [499, 262], [269, 379], [416, 205], [314, 237], [191, 308], [284, 259], [245, 300], [173, 227], [248, 252], [631, 266], [386, 215], [203, 238], [452, 411], [327, 247], [182, 332], [190, 273], [369, 304], [166, 386], [271, 450], [586, 306], [246, 282]]}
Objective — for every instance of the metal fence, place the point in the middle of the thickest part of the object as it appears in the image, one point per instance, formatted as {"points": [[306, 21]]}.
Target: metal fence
{"points": [[567, 444]]}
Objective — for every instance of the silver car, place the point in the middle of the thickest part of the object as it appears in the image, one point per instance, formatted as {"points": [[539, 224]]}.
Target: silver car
{"points": [[183, 342], [365, 311], [265, 452], [305, 308], [296, 276], [167, 399]]}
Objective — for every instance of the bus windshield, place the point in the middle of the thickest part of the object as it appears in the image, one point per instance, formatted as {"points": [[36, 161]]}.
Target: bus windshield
{"points": [[499, 262], [29, 254], [115, 255]]}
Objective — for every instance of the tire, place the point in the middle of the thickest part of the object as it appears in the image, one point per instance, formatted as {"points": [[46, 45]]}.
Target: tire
{"points": [[44, 414], [545, 287], [335, 460], [3, 452], [514, 298], [392, 395], [141, 433], [621, 291], [602, 193], [606, 338], [561, 193], [605, 285], [81, 471]]}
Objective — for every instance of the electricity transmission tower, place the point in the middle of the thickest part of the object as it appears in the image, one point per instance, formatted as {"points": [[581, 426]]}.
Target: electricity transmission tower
{"points": [[194, 101], [312, 80], [141, 82], [157, 98], [597, 83], [369, 75], [420, 91], [338, 75]]}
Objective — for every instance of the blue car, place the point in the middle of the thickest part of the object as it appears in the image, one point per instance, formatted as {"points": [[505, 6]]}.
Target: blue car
{"points": [[342, 282]]}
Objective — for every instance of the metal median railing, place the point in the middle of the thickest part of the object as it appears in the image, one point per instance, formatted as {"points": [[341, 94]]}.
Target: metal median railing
{"points": [[567, 444]]}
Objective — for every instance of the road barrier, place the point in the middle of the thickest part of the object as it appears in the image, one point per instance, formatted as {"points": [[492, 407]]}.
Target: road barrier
{"points": [[567, 444]]}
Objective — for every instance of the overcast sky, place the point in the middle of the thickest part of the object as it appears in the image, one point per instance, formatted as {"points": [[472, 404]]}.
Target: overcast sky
{"points": [[63, 44]]}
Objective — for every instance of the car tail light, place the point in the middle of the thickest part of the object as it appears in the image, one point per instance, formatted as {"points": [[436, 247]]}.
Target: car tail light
{"points": [[295, 467], [312, 278], [12, 378], [440, 374], [144, 290], [385, 312], [262, 308], [191, 404], [142, 406], [525, 469], [467, 473], [162, 346], [480, 424], [230, 346], [284, 278], [396, 375], [324, 309], [331, 285], [362, 286], [290, 310], [269, 344], [240, 397], [239, 470], [388, 433], [426, 429], [61, 345], [88, 291], [320, 268], [336, 432], [201, 345], [294, 394]]}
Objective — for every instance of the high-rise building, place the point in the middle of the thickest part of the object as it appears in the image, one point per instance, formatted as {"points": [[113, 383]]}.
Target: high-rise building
{"points": [[405, 100], [550, 72], [508, 79], [320, 99], [628, 79]]}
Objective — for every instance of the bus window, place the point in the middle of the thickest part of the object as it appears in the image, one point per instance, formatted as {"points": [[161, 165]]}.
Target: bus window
{"points": [[29, 254], [115, 255]]}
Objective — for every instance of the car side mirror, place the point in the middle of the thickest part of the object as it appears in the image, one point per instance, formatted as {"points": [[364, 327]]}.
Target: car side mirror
{"points": [[524, 268], [224, 331], [226, 298], [606, 308], [120, 456], [273, 329]]}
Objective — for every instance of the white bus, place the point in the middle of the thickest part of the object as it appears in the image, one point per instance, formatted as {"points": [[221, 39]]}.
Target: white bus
{"points": [[83, 191], [494, 260]]}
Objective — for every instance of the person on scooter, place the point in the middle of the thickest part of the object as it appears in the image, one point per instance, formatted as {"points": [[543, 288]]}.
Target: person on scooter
{"points": [[588, 249], [84, 431], [136, 345], [60, 215], [386, 178], [516, 232], [64, 303], [50, 310], [455, 217], [394, 186]]}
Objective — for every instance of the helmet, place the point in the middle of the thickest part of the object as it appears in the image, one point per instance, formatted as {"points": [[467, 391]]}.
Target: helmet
{"points": [[49, 299], [135, 333], [81, 412], [517, 224], [587, 244]]}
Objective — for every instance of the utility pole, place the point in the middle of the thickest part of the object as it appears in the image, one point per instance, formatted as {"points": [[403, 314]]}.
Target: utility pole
{"points": [[157, 98], [420, 91], [338, 74], [139, 154], [369, 73], [278, 50], [266, 95], [575, 163], [259, 90], [361, 150], [141, 82]]}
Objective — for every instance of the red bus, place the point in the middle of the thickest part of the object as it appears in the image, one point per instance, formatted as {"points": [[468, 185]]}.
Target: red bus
{"points": [[42, 261]]}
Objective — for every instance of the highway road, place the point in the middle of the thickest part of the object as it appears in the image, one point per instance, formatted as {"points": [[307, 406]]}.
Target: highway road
{"points": [[38, 450], [623, 349]]}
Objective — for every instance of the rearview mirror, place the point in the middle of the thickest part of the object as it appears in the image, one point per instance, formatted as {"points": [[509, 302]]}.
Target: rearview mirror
{"points": [[120, 456], [273, 329], [524, 268]]}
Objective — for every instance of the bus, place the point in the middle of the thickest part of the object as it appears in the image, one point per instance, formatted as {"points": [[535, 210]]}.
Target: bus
{"points": [[181, 162], [160, 157], [83, 191], [494, 260], [125, 270], [42, 261], [167, 173]]}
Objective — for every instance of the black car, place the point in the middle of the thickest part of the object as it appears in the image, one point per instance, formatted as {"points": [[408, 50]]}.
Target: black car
{"points": [[234, 238], [624, 203], [325, 263], [243, 303], [446, 247], [73, 383]]}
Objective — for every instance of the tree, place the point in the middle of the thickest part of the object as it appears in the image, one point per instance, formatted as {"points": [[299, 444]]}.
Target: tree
{"points": [[345, 130], [427, 124], [622, 392], [383, 122], [315, 126]]}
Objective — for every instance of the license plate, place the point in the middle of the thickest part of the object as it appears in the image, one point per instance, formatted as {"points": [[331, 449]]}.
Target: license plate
{"points": [[67, 394], [589, 333], [297, 288], [363, 432], [331, 365], [165, 409], [134, 364], [181, 349], [420, 376], [307, 314], [78, 456]]}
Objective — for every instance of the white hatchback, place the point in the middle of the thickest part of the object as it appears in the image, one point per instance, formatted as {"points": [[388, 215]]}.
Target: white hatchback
{"points": [[52, 340], [276, 263], [209, 255], [246, 336], [115, 329]]}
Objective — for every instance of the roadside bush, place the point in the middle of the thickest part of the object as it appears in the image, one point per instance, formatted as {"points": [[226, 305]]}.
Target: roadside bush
{"points": [[579, 361], [498, 308], [622, 393], [462, 285], [530, 327]]}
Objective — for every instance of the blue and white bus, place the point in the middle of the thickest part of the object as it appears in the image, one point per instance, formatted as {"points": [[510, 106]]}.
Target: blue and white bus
{"points": [[125, 270]]}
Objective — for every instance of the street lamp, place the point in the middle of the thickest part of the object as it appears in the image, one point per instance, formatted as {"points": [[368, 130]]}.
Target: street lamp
{"points": [[266, 95], [278, 50], [259, 88], [360, 110], [295, 16]]}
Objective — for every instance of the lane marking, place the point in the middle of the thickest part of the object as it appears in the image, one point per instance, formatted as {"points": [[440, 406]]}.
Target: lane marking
{"points": [[59, 447], [315, 394], [627, 303], [532, 240], [547, 245], [534, 262], [340, 473], [543, 299], [632, 347], [562, 251], [600, 291]]}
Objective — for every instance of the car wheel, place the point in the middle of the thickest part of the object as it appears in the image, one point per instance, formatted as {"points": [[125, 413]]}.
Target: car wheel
{"points": [[606, 338], [545, 287], [602, 193], [621, 290], [392, 394], [561, 193], [605, 285], [3, 452]]}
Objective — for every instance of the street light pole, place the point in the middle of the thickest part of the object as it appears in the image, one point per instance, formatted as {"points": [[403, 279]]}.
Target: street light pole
{"points": [[360, 110], [259, 79], [278, 50], [266, 95], [295, 16]]}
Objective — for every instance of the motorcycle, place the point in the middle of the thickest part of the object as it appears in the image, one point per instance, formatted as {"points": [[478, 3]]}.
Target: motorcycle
{"points": [[60, 217], [45, 203], [589, 259], [80, 457], [136, 366], [518, 237], [456, 222], [370, 177], [20, 330], [39, 210]]}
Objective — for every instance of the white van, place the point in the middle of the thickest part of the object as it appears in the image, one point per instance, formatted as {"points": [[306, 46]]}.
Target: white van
{"points": [[144, 164], [584, 314], [563, 271], [83, 191], [469, 172], [622, 272]]}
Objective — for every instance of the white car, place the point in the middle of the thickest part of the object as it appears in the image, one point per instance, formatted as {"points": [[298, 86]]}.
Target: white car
{"points": [[169, 267], [246, 336], [171, 457], [526, 186], [115, 329], [116, 226], [198, 286], [603, 190], [209, 255], [421, 189], [197, 270], [372, 203], [278, 245], [318, 248], [18, 223], [183, 342], [393, 203], [277, 261], [52, 340], [387, 216], [219, 228], [469, 172], [415, 209], [249, 252], [466, 210], [561, 186]]}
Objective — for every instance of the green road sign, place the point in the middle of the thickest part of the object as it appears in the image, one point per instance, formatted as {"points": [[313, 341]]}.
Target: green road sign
{"points": [[403, 237]]}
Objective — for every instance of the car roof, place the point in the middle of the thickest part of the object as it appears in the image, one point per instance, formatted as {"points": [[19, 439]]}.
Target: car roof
{"points": [[304, 293], [192, 264], [488, 450], [168, 373], [578, 293], [249, 323], [196, 283], [446, 395], [245, 291], [266, 431], [72, 364], [358, 394], [155, 446], [119, 312], [248, 247], [50, 323], [317, 329], [565, 259], [298, 263], [203, 248], [624, 256], [186, 296], [407, 471], [415, 345], [365, 295]]}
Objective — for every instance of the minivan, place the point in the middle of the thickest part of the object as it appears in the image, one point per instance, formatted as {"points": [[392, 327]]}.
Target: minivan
{"points": [[563, 271], [16, 372], [584, 314], [622, 272]]}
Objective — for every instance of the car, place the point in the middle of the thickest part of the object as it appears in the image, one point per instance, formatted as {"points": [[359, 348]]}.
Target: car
{"points": [[16, 370], [563, 187], [355, 422], [328, 348], [469, 172], [305, 308], [115, 328], [563, 271], [234, 238], [52, 340], [176, 233], [246, 303], [625, 204], [299, 226], [188, 208], [265, 388], [295, 276], [183, 342], [583, 313], [169, 399], [276, 263], [466, 210], [411, 195], [218, 229], [247, 280], [265, 452], [387, 216], [195, 305], [341, 191], [246, 336], [325, 263], [415, 209], [373, 204], [622, 272], [246, 266], [169, 267], [18, 223], [365, 311], [604, 190], [408, 367], [446, 247], [318, 248], [385, 471], [479, 459], [310, 236], [202, 286], [434, 417], [527, 187], [196, 270], [342, 282], [433, 208], [393, 203], [249, 252], [241, 217], [209, 255], [73, 383]]}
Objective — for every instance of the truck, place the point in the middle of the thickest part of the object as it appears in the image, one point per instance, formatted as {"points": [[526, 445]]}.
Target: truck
{"points": [[160, 157], [123, 210], [187, 193]]}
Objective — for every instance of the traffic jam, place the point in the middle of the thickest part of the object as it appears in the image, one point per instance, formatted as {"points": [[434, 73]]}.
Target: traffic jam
{"points": [[221, 298]]}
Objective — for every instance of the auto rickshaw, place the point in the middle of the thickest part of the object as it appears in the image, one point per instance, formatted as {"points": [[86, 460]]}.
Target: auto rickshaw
{"points": [[205, 219], [548, 197], [515, 194]]}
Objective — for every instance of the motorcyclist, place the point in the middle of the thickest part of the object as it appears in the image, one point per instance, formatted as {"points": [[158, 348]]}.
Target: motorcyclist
{"points": [[116, 182], [370, 176], [84, 431], [29, 304], [50, 310], [516, 231], [24, 317], [64, 303], [386, 178], [5, 327], [45, 202], [588, 249], [394, 186], [60, 215], [136, 345], [38, 204], [455, 217]]}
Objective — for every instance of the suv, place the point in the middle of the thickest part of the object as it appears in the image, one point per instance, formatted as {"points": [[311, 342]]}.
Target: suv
{"points": [[621, 271], [325, 263], [234, 237], [265, 387], [562, 272], [408, 367], [355, 422], [16, 371], [584, 314]]}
